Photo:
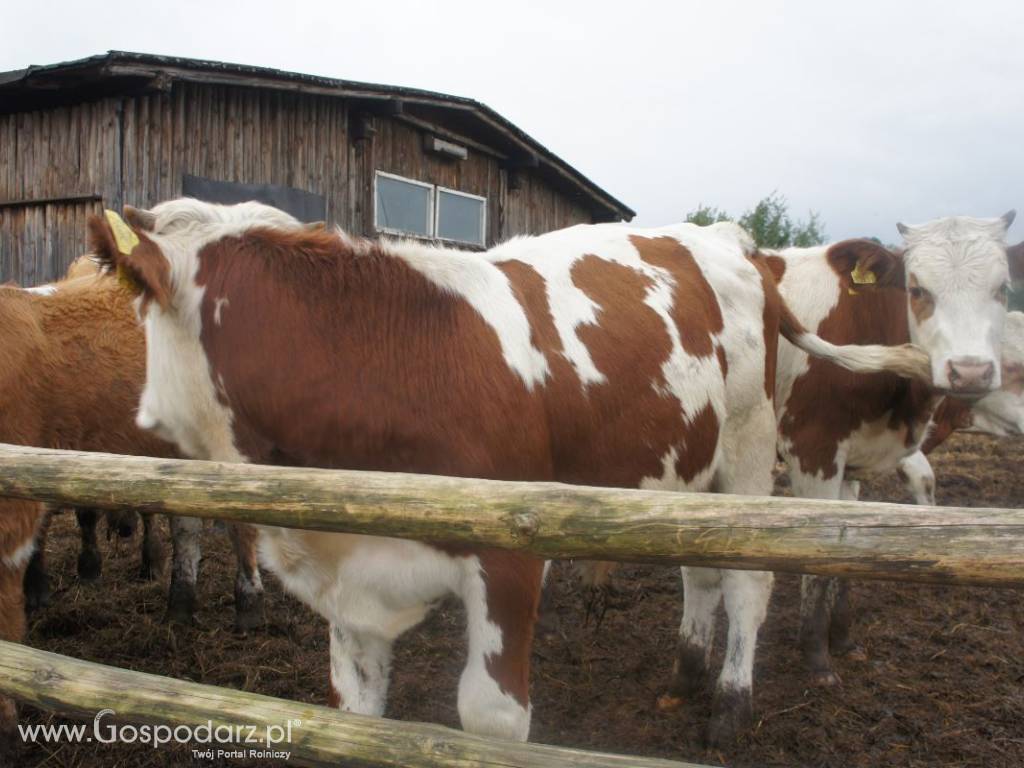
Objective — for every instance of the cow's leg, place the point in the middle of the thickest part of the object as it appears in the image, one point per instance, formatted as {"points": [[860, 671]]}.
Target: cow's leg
{"points": [[918, 477], [746, 595], [840, 642], [816, 591], [37, 578], [12, 628], [360, 670], [501, 591], [21, 520], [748, 447], [248, 584], [181, 598], [90, 562], [702, 592], [152, 548]]}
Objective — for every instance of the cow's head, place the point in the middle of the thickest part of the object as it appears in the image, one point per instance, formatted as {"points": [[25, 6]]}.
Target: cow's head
{"points": [[157, 254], [957, 276]]}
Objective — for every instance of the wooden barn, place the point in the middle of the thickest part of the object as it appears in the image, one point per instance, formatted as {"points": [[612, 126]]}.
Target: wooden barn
{"points": [[135, 128]]}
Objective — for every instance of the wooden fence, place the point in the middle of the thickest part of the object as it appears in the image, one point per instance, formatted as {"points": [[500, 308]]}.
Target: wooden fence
{"points": [[863, 540]]}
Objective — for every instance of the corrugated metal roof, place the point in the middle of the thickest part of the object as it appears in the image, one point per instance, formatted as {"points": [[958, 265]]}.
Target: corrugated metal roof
{"points": [[65, 76]]}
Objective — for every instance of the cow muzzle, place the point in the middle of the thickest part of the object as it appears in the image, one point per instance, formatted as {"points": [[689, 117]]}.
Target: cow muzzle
{"points": [[969, 377]]}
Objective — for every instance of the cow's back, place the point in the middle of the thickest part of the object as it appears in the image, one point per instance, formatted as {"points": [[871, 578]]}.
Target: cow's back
{"points": [[652, 336]]}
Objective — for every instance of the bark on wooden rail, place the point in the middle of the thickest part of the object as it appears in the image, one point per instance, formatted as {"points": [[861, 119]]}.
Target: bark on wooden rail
{"points": [[866, 540], [324, 737]]}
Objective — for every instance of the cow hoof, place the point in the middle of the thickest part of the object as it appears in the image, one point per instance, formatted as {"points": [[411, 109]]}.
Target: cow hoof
{"points": [[249, 612], [851, 651], [37, 597], [669, 703], [732, 715], [37, 590], [825, 678], [90, 565], [181, 603]]}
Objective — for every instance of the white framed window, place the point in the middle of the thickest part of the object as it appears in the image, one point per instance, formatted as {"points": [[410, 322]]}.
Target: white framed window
{"points": [[460, 216], [404, 206]]}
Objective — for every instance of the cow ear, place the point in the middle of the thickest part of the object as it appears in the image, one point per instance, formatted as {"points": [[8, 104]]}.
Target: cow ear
{"points": [[1015, 258], [1007, 219], [140, 218], [865, 264], [133, 256]]}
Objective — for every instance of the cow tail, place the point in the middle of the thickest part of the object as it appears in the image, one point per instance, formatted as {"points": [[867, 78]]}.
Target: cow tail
{"points": [[906, 360]]}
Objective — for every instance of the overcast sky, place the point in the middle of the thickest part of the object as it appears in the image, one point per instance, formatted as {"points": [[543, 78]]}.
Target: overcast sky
{"points": [[867, 112]]}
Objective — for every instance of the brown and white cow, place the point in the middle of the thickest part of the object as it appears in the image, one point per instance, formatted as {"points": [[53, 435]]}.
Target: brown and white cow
{"points": [[945, 292], [1000, 413], [596, 354]]}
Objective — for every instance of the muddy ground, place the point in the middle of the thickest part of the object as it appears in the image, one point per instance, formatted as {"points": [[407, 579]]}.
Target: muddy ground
{"points": [[943, 684]]}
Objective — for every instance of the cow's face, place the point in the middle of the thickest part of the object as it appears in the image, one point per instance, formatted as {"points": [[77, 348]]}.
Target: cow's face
{"points": [[179, 402], [957, 278]]}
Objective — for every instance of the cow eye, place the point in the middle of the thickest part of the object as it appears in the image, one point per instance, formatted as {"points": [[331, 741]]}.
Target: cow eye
{"points": [[1002, 293], [917, 293]]}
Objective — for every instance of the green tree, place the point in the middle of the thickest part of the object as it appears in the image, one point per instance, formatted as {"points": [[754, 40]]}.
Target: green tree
{"points": [[769, 223], [705, 215]]}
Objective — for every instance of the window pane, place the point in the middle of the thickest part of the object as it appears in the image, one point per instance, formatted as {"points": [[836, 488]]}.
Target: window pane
{"points": [[460, 218], [403, 206]]}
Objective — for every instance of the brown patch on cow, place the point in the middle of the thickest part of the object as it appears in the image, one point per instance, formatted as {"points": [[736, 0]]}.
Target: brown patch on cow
{"points": [[701, 441], [827, 403], [776, 265], [922, 303], [951, 415], [771, 317], [723, 363], [695, 307], [333, 695], [384, 389], [629, 344], [512, 584]]}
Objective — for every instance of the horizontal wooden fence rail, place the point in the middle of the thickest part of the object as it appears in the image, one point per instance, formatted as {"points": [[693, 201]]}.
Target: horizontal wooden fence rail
{"points": [[857, 539], [323, 737]]}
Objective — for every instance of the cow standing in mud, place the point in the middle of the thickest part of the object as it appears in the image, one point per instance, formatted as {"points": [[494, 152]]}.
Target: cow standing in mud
{"points": [[947, 293], [597, 354]]}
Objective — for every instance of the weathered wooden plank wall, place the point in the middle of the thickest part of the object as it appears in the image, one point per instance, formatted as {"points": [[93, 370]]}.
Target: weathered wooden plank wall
{"points": [[59, 165]]}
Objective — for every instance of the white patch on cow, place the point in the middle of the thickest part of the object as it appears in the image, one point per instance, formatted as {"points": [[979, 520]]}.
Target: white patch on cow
{"points": [[217, 306], [42, 290], [485, 288], [811, 289], [961, 261], [21, 555]]}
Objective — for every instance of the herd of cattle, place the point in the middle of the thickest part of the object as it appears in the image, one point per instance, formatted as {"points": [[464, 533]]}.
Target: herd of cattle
{"points": [[599, 355]]}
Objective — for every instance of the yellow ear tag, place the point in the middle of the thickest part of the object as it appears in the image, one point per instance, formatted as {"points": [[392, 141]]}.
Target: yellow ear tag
{"points": [[125, 238], [863, 276], [126, 241]]}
